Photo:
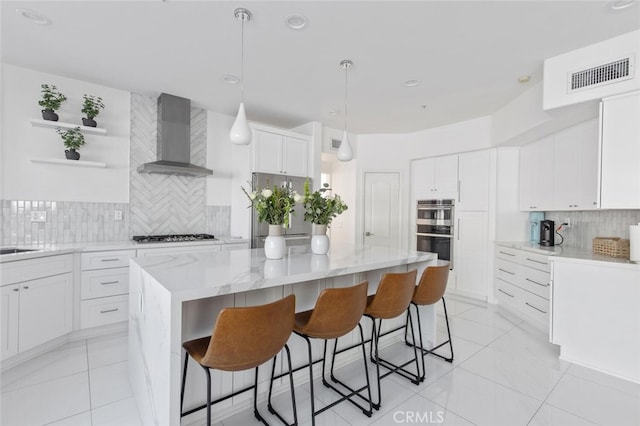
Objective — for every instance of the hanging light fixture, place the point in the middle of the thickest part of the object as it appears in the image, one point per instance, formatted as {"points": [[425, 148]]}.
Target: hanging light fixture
{"points": [[240, 133], [345, 152]]}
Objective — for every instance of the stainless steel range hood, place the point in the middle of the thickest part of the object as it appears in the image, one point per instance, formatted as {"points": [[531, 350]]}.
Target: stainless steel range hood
{"points": [[174, 140]]}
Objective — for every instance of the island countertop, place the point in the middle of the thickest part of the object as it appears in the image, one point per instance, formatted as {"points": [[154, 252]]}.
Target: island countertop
{"points": [[200, 275]]}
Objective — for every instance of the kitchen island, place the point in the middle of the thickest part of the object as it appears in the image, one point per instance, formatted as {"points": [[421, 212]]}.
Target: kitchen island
{"points": [[177, 298]]}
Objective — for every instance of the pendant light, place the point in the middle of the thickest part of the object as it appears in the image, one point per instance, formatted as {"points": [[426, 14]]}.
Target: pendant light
{"points": [[345, 152], [240, 133]]}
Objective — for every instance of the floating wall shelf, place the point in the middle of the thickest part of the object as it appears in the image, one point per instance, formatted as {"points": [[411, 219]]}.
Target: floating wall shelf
{"points": [[59, 124], [75, 163]]}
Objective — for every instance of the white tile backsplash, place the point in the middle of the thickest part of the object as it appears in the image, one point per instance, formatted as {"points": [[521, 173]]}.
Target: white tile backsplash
{"points": [[585, 225]]}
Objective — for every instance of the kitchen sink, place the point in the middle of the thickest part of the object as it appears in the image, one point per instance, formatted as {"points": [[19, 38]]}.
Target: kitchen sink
{"points": [[13, 250]]}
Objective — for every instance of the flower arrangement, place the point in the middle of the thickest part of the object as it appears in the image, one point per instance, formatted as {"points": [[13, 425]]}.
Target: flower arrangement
{"points": [[273, 205], [320, 207]]}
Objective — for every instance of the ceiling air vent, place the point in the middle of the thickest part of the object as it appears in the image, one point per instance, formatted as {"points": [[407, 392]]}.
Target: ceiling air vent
{"points": [[611, 72]]}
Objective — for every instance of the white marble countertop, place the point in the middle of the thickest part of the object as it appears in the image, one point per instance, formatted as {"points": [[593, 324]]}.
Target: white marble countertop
{"points": [[200, 275], [41, 250], [567, 253]]}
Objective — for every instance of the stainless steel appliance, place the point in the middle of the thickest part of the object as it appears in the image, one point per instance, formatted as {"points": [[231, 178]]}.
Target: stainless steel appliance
{"points": [[434, 228], [298, 232], [171, 238]]}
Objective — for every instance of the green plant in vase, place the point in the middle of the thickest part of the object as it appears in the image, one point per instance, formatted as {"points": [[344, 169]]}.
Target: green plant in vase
{"points": [[91, 107], [51, 101], [320, 208], [72, 139]]}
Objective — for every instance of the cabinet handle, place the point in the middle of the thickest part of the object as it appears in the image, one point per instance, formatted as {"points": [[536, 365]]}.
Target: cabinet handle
{"points": [[108, 310], [458, 191], [532, 207], [508, 254], [109, 282], [16, 289], [595, 203], [508, 272], [536, 282], [537, 309], [504, 292], [459, 229], [26, 287], [109, 260], [537, 261]]}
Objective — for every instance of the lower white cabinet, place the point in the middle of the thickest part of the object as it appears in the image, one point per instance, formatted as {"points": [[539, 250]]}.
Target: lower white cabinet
{"points": [[470, 254], [522, 283], [37, 309], [104, 287]]}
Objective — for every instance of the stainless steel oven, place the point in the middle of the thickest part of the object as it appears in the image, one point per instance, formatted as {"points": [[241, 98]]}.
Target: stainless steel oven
{"points": [[434, 228]]}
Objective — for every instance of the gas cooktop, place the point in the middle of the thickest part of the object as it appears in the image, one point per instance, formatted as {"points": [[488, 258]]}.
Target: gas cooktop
{"points": [[171, 238]]}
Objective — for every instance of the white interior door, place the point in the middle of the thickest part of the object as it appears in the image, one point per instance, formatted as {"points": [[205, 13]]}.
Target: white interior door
{"points": [[382, 209]]}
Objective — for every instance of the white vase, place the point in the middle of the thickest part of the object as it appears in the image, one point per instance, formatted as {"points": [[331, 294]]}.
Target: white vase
{"points": [[275, 246], [319, 239]]}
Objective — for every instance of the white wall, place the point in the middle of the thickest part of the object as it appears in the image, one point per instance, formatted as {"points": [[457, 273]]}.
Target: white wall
{"points": [[24, 180]]}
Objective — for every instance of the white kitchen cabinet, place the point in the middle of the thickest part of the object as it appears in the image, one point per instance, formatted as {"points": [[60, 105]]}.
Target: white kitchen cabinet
{"points": [[37, 297], [576, 167], [522, 283], [104, 287], [435, 177], [470, 254], [280, 154], [536, 175], [620, 150], [234, 246], [185, 249], [473, 181]]}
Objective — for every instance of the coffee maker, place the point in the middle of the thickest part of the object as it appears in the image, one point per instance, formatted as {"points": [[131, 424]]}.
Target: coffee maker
{"points": [[547, 230]]}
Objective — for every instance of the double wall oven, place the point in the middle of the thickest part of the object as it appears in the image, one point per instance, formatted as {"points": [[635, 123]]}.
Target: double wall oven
{"points": [[434, 228]]}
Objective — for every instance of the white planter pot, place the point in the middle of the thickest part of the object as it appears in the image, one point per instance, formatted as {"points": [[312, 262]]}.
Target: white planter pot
{"points": [[275, 246], [319, 239]]}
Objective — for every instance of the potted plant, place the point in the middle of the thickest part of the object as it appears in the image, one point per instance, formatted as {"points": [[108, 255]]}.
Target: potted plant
{"points": [[273, 206], [73, 139], [91, 108], [320, 208], [51, 101]]}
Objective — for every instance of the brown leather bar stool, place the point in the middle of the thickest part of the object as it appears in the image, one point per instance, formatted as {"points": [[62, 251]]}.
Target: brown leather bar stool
{"points": [[244, 338], [336, 313], [391, 300], [430, 289]]}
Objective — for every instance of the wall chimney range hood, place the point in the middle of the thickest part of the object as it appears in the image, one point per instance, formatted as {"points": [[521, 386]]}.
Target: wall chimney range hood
{"points": [[174, 140]]}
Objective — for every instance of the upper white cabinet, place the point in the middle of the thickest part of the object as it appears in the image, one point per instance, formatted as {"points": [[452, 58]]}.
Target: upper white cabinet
{"points": [[280, 153], [620, 161], [473, 177], [536, 175], [436, 177], [576, 167]]}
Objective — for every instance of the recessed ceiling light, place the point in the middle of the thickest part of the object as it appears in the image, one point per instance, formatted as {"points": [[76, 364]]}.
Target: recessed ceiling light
{"points": [[296, 21], [33, 16], [230, 79], [622, 4], [524, 79], [411, 83]]}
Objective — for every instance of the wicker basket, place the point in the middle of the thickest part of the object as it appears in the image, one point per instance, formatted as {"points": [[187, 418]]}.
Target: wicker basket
{"points": [[611, 246]]}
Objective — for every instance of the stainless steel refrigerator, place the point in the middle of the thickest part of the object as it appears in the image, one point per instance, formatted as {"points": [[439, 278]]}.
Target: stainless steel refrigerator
{"points": [[298, 232]]}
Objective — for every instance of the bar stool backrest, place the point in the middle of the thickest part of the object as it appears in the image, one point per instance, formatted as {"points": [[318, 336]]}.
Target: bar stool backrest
{"points": [[337, 311], [432, 285], [246, 337], [394, 294]]}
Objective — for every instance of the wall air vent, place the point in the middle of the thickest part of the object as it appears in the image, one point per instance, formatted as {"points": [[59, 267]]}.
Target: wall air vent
{"points": [[600, 75]]}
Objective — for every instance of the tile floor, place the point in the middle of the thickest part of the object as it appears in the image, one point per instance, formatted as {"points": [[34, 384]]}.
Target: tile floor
{"points": [[504, 373]]}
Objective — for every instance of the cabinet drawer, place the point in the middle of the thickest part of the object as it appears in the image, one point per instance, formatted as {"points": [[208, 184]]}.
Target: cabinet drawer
{"points": [[31, 269], [104, 282], [508, 293], [106, 310], [506, 253], [106, 259], [536, 307], [507, 271], [536, 261], [535, 281]]}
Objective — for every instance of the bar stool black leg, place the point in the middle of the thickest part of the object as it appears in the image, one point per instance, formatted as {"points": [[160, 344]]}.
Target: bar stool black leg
{"points": [[184, 381], [293, 396], [206, 370]]}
